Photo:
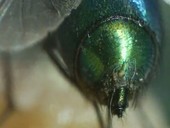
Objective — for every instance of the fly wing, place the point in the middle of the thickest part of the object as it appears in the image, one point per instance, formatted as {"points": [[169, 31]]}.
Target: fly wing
{"points": [[25, 22]]}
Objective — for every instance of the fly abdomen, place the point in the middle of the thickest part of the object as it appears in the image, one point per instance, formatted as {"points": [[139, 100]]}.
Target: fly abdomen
{"points": [[118, 54]]}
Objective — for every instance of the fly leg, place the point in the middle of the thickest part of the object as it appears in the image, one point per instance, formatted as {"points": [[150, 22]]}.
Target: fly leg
{"points": [[109, 112], [51, 49], [99, 115], [7, 77]]}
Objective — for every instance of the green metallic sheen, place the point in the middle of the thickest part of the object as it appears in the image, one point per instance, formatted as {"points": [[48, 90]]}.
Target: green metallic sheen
{"points": [[120, 51], [122, 96], [119, 101], [91, 11], [111, 49]]}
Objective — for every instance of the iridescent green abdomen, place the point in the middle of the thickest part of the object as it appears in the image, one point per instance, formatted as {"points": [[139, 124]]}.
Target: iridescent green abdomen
{"points": [[116, 45], [118, 53], [111, 49]]}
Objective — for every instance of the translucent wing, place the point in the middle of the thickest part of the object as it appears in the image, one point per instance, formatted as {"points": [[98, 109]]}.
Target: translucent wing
{"points": [[28, 21]]}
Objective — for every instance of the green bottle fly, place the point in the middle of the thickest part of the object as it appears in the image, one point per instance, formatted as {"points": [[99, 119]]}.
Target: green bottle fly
{"points": [[110, 49], [116, 58]]}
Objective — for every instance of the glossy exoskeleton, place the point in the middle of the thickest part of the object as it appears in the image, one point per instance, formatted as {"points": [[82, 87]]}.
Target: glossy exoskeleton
{"points": [[109, 49]]}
